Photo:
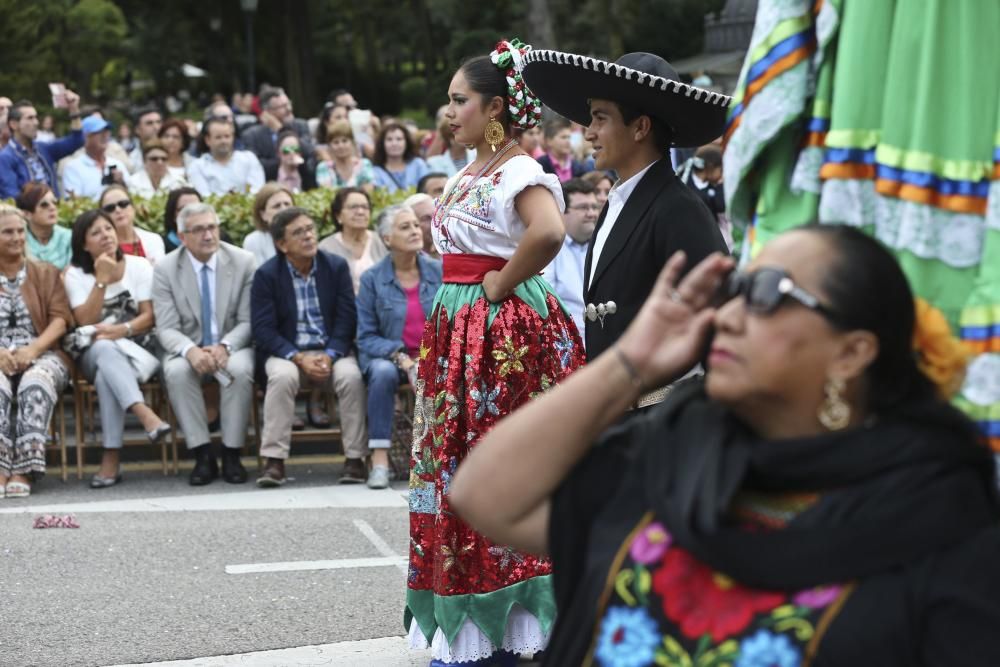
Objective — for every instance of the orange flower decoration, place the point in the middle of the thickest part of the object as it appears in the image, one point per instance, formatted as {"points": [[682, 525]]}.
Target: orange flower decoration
{"points": [[941, 356]]}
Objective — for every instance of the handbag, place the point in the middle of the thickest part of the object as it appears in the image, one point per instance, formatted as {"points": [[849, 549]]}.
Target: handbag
{"points": [[144, 363]]}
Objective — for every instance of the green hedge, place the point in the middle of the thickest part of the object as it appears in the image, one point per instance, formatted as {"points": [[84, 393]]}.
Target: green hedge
{"points": [[235, 209]]}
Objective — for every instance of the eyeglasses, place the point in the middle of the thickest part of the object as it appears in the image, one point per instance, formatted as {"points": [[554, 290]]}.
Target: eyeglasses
{"points": [[110, 208], [288, 150], [358, 207], [586, 207], [201, 229], [47, 203], [302, 232], [156, 158], [766, 288]]}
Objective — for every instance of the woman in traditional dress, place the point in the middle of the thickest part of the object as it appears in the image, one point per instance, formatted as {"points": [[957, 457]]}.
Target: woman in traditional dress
{"points": [[497, 337]]}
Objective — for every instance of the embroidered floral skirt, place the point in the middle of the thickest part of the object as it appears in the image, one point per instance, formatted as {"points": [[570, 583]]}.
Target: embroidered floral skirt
{"points": [[478, 362]]}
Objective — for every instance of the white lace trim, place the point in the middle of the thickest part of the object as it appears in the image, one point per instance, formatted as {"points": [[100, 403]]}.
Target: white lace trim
{"points": [[523, 636], [779, 103], [982, 380], [805, 176], [928, 232], [993, 206]]}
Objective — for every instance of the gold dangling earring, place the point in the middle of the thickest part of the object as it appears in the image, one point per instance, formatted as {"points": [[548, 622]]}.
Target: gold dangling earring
{"points": [[494, 133], [835, 413]]}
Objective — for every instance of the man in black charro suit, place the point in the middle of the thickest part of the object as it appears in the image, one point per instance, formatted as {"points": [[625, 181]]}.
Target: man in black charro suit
{"points": [[634, 110]]}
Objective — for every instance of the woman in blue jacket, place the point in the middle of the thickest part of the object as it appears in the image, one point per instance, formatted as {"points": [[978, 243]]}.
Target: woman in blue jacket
{"points": [[394, 300]]}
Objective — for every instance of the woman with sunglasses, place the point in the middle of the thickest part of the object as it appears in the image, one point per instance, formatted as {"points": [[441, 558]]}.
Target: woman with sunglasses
{"points": [[814, 498], [117, 204], [155, 176], [294, 171], [47, 241]]}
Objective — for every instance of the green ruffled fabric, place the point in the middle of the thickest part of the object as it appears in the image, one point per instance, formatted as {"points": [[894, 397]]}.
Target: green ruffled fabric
{"points": [[534, 291], [489, 611]]}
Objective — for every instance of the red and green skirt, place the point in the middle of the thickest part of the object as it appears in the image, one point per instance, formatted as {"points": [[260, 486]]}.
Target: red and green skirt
{"points": [[468, 596]]}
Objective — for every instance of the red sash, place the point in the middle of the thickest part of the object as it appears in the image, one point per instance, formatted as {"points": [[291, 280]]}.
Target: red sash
{"points": [[469, 269]]}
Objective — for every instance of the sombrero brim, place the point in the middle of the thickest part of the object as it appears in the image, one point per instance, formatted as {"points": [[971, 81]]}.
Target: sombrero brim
{"points": [[566, 82]]}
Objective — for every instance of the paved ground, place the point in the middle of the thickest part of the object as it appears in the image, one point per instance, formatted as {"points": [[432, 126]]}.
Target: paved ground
{"points": [[213, 576]]}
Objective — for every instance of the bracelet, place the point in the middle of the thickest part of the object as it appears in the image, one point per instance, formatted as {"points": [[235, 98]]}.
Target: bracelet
{"points": [[633, 374]]}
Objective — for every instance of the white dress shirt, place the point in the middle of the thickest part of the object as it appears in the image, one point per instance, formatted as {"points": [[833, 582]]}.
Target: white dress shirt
{"points": [[242, 173], [617, 197], [82, 175], [565, 274], [196, 265]]}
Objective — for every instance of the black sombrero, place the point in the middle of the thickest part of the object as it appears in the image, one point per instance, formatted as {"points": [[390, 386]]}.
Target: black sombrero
{"points": [[566, 83]]}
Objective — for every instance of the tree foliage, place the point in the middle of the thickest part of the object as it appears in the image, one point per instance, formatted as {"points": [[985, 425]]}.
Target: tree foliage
{"points": [[313, 46]]}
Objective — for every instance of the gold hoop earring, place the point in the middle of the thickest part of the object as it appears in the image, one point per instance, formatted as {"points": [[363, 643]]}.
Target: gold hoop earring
{"points": [[494, 133], [834, 414]]}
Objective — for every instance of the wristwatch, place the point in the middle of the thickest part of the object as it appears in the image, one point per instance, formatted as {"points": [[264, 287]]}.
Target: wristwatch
{"points": [[229, 348], [128, 329], [101, 285]]}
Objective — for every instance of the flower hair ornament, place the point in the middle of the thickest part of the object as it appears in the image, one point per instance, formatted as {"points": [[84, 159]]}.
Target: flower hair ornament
{"points": [[940, 356], [524, 107]]}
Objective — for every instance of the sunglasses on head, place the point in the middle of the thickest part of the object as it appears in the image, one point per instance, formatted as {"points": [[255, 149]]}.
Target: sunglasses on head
{"points": [[765, 289], [110, 208]]}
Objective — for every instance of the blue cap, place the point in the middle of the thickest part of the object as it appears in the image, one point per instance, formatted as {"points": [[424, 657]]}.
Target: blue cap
{"points": [[94, 124]]}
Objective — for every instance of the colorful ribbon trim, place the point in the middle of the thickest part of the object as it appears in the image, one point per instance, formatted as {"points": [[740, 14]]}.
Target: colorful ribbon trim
{"points": [[780, 58], [961, 196], [464, 269], [816, 131]]}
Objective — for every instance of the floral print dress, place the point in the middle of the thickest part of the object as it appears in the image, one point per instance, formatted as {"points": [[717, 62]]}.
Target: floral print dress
{"points": [[468, 597]]}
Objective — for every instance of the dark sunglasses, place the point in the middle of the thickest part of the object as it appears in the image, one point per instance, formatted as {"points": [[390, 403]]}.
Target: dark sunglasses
{"points": [[765, 289], [123, 204]]}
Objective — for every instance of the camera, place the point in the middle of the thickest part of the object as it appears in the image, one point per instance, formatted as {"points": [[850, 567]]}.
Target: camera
{"points": [[109, 176]]}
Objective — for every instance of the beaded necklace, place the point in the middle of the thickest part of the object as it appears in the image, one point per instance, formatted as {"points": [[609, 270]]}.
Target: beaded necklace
{"points": [[455, 194]]}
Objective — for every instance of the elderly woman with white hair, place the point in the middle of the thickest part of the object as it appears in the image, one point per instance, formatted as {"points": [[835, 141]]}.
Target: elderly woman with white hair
{"points": [[395, 298]]}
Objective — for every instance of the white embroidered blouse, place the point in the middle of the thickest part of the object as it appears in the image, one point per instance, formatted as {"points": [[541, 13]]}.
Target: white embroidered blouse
{"points": [[484, 221]]}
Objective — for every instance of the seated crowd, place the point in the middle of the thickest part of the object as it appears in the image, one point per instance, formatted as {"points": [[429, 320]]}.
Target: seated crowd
{"points": [[112, 303], [209, 312]]}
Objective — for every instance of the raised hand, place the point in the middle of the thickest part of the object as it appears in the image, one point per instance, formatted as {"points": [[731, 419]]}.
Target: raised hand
{"points": [[666, 337]]}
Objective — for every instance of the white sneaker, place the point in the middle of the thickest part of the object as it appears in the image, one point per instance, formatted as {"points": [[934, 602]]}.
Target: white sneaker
{"points": [[378, 478]]}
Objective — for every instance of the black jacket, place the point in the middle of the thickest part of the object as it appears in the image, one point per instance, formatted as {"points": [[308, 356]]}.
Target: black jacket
{"points": [[661, 216]]}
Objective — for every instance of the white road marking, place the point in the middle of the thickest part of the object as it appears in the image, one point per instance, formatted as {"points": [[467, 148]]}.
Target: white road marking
{"points": [[381, 545], [353, 496], [383, 652], [298, 565]]}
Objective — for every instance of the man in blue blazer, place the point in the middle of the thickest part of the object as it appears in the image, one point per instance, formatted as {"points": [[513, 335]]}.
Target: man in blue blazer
{"points": [[304, 320]]}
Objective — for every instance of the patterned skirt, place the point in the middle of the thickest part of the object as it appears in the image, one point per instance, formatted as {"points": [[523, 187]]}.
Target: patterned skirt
{"points": [[478, 362]]}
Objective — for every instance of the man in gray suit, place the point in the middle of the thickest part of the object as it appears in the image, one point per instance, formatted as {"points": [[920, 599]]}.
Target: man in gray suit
{"points": [[201, 298]]}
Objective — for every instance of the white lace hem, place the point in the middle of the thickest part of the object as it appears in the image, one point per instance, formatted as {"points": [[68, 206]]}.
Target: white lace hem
{"points": [[523, 636]]}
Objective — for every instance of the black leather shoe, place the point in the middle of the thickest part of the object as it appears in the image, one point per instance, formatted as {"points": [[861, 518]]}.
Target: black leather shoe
{"points": [[232, 468], [205, 466]]}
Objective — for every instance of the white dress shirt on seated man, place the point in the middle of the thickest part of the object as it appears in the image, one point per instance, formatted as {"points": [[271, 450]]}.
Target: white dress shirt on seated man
{"points": [[565, 272]]}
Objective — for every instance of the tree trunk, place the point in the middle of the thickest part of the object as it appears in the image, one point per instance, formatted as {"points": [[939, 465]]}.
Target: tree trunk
{"points": [[538, 30]]}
